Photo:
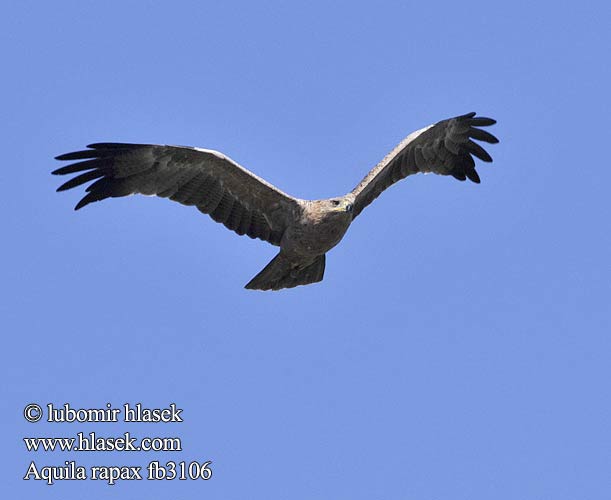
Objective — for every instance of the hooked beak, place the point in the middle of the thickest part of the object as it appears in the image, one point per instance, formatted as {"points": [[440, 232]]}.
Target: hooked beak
{"points": [[349, 207]]}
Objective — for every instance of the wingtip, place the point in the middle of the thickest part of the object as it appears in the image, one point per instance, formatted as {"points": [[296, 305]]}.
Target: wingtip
{"points": [[473, 176], [65, 186], [115, 145], [481, 121], [489, 121], [85, 200]]}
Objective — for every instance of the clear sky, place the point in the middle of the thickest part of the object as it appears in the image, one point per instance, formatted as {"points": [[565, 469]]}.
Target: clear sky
{"points": [[459, 346]]}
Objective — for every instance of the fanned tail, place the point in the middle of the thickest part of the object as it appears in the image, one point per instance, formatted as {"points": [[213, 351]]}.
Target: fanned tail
{"points": [[282, 273]]}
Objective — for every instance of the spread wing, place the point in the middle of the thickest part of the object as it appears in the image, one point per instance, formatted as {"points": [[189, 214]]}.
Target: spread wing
{"points": [[210, 181], [445, 148]]}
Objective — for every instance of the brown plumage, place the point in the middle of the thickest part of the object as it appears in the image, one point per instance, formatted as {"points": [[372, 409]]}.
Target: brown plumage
{"points": [[304, 230]]}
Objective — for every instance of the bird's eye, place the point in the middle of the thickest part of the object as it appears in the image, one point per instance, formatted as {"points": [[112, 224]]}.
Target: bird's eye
{"points": [[335, 203]]}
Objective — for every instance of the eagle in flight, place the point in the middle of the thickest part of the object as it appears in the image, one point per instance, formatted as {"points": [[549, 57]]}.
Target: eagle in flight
{"points": [[305, 230]]}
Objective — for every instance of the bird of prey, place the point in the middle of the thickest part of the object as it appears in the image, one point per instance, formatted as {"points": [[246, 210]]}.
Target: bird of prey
{"points": [[305, 230]]}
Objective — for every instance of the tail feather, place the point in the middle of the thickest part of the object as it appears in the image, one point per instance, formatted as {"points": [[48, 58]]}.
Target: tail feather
{"points": [[282, 273]]}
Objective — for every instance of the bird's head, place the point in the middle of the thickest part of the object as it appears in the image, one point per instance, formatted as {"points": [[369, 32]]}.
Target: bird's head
{"points": [[340, 205], [329, 209]]}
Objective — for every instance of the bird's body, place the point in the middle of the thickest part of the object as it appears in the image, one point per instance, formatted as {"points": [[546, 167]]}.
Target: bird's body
{"points": [[320, 227], [305, 230]]}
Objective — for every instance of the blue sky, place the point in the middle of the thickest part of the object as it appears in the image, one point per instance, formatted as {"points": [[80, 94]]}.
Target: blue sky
{"points": [[458, 347]]}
